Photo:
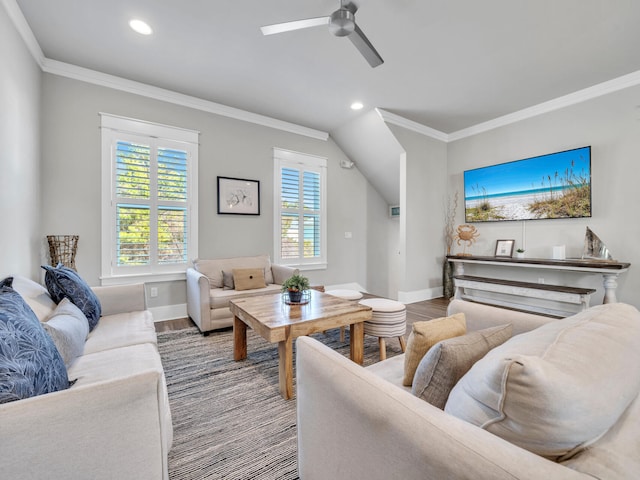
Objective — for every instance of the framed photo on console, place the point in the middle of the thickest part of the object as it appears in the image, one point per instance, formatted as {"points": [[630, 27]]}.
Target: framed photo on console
{"points": [[238, 196], [504, 248]]}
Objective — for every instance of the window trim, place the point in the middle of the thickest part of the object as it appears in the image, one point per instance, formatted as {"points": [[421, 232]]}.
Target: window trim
{"points": [[287, 158], [114, 128]]}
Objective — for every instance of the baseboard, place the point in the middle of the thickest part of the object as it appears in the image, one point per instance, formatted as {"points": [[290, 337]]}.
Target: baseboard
{"points": [[169, 312], [346, 286], [420, 295]]}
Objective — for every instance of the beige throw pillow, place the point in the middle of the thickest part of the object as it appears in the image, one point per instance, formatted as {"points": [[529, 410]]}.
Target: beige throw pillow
{"points": [[447, 362], [248, 278], [559, 388], [426, 334]]}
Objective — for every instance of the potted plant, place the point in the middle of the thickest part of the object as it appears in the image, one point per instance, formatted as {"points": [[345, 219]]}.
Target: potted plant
{"points": [[295, 285], [520, 253]]}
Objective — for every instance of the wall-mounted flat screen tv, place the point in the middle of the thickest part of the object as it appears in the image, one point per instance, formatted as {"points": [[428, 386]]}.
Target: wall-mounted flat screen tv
{"points": [[557, 185]]}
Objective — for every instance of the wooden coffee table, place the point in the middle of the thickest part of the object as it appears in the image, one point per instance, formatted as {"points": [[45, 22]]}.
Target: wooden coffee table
{"points": [[278, 322]]}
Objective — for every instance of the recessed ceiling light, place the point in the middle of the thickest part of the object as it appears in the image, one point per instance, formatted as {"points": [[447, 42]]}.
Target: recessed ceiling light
{"points": [[141, 27], [357, 106]]}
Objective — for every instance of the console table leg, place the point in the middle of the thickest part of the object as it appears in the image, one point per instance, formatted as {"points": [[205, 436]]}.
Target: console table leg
{"points": [[458, 271], [610, 285], [458, 268]]}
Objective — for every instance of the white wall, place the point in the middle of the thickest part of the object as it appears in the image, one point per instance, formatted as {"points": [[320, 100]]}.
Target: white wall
{"points": [[611, 125], [21, 240], [382, 233], [228, 147], [423, 190]]}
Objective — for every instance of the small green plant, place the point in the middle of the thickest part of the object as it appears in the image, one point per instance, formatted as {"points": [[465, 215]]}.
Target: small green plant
{"points": [[296, 283], [520, 250]]}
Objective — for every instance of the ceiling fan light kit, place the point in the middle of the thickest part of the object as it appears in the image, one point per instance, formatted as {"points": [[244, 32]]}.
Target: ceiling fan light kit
{"points": [[342, 23]]}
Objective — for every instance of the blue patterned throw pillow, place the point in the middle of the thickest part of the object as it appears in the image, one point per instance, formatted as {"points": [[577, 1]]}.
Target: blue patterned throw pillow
{"points": [[30, 364], [63, 282]]}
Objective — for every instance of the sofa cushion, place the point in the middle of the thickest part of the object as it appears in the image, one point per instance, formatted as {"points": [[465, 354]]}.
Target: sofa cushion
{"points": [[616, 454], [36, 296], [219, 298], [68, 328], [248, 278], [30, 364], [559, 388], [63, 282], [213, 268], [106, 368], [426, 334], [391, 370], [447, 361], [122, 330]]}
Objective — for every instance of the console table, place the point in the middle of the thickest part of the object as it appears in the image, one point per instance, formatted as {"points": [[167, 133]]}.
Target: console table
{"points": [[608, 269]]}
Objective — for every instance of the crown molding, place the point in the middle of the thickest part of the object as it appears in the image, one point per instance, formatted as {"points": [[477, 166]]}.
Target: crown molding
{"points": [[411, 125], [97, 78], [117, 83], [16, 16], [589, 93]]}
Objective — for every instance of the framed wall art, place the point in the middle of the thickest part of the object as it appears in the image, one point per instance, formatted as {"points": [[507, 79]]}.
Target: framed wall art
{"points": [[238, 196], [504, 248]]}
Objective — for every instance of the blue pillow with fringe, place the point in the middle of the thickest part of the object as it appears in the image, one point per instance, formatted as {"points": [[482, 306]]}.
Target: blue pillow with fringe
{"points": [[63, 282], [30, 364]]}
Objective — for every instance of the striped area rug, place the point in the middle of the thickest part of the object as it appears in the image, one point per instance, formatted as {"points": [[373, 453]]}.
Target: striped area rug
{"points": [[229, 419]]}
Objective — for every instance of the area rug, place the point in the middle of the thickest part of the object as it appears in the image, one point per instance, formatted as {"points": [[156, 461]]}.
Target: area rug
{"points": [[229, 419]]}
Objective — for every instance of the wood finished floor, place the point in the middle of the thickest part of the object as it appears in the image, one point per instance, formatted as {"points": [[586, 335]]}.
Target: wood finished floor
{"points": [[425, 310]]}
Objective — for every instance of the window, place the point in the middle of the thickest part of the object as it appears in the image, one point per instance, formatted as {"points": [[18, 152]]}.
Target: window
{"points": [[149, 215], [300, 210]]}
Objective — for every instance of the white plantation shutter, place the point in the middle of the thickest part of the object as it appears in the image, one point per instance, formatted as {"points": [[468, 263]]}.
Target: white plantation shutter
{"points": [[172, 206], [312, 213], [300, 209], [149, 199], [133, 219]]}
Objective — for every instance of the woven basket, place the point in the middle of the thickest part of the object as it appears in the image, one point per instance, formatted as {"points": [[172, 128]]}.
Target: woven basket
{"points": [[62, 249]]}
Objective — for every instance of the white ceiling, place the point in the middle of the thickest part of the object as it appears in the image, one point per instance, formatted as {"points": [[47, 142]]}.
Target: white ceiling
{"points": [[449, 64]]}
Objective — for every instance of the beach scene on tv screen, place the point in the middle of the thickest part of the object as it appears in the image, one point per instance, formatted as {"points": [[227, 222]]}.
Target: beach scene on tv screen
{"points": [[557, 185]]}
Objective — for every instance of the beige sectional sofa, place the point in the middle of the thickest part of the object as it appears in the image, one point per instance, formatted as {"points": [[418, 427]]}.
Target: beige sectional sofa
{"points": [[207, 296], [115, 421], [560, 379]]}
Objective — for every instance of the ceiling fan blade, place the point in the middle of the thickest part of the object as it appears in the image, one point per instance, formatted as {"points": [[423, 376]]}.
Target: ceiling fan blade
{"points": [[364, 46], [295, 25]]}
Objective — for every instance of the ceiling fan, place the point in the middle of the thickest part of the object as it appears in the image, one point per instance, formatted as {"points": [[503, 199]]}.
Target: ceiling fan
{"points": [[342, 23]]}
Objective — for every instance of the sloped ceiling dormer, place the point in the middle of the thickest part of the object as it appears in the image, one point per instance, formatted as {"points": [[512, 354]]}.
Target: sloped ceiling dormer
{"points": [[369, 143]]}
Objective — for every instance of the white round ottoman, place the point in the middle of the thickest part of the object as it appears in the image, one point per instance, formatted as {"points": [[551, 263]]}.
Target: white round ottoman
{"points": [[389, 319], [346, 295]]}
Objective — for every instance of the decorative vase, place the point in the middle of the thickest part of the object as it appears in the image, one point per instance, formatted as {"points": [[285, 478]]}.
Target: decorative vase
{"points": [[519, 254], [447, 279], [295, 296]]}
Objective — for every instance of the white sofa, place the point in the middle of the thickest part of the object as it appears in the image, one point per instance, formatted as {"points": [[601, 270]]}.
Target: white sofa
{"points": [[114, 422], [356, 422], [208, 299]]}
